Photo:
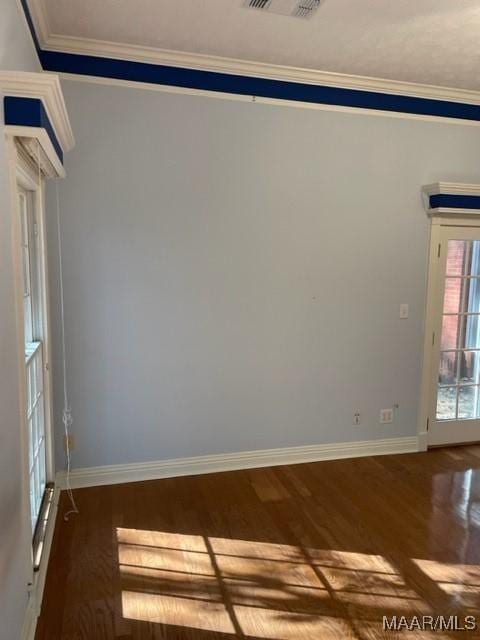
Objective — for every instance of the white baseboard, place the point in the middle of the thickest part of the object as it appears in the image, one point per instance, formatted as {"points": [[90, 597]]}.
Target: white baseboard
{"points": [[119, 473], [423, 441], [36, 593]]}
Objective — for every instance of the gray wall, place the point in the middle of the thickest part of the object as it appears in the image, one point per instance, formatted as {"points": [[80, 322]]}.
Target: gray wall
{"points": [[16, 52], [234, 271]]}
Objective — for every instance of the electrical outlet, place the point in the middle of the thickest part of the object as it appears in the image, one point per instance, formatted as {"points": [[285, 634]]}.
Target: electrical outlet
{"points": [[356, 418], [69, 442], [386, 416], [404, 311]]}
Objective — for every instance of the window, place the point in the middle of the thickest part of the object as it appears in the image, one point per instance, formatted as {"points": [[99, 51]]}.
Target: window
{"points": [[34, 357], [36, 429], [26, 226]]}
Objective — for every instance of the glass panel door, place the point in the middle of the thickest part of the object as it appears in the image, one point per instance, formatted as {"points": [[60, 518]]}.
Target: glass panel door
{"points": [[457, 393]]}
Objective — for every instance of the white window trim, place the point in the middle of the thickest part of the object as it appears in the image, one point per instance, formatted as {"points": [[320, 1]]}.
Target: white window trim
{"points": [[22, 172]]}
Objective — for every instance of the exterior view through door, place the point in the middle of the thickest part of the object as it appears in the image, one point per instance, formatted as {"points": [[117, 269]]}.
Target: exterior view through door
{"points": [[455, 391]]}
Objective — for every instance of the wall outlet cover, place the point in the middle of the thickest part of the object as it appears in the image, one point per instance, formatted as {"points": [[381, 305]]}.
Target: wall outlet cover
{"points": [[386, 416]]}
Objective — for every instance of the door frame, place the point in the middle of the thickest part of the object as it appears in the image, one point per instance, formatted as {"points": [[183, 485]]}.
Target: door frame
{"points": [[434, 291]]}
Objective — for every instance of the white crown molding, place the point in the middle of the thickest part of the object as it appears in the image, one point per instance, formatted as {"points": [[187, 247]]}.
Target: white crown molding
{"points": [[204, 62], [46, 87], [39, 15], [116, 474], [452, 188], [50, 163], [445, 212]]}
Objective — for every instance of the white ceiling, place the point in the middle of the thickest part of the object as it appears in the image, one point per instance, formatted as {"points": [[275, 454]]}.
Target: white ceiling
{"points": [[425, 41]]}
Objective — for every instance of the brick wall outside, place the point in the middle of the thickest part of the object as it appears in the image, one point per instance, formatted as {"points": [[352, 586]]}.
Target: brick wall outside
{"points": [[450, 327]]}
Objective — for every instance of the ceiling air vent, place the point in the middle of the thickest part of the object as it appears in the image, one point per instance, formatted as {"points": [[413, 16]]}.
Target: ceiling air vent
{"points": [[305, 8], [258, 4], [295, 8]]}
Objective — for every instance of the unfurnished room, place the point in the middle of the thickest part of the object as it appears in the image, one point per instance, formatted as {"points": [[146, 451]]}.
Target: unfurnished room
{"points": [[239, 319]]}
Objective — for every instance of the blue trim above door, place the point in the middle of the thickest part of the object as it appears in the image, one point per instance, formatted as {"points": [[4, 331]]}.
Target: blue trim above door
{"points": [[30, 112], [454, 201]]}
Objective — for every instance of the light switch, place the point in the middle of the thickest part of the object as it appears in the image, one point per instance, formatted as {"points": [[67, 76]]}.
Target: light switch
{"points": [[404, 311]]}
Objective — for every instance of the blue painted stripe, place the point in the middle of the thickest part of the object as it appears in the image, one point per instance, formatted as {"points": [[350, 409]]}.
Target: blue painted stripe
{"points": [[244, 85], [452, 201], [30, 112]]}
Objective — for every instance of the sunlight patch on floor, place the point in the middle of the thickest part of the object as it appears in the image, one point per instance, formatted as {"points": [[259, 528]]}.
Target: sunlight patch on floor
{"points": [[178, 611], [257, 589], [459, 581]]}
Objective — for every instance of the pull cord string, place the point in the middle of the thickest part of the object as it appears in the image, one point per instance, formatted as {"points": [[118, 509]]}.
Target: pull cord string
{"points": [[67, 418]]}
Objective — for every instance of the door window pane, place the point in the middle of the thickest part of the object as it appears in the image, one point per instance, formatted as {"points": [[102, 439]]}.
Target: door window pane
{"points": [[472, 295], [459, 368], [468, 367], [448, 368], [468, 402], [446, 403], [457, 257], [451, 326], [452, 297]]}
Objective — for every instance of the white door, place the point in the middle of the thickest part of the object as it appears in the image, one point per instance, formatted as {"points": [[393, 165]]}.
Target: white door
{"points": [[455, 382]]}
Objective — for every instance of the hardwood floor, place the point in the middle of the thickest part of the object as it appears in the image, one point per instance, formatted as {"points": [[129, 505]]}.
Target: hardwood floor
{"points": [[319, 551]]}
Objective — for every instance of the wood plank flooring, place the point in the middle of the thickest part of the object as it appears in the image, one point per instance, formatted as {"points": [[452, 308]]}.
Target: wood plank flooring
{"points": [[320, 551]]}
